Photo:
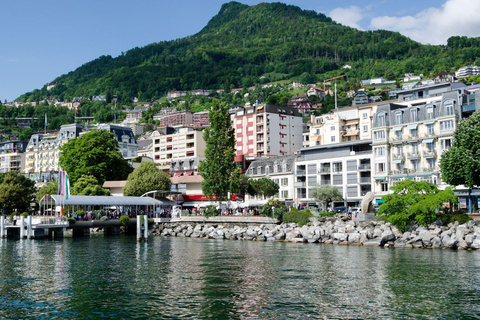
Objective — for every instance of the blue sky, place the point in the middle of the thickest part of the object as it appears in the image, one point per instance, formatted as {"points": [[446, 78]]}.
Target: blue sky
{"points": [[41, 40]]}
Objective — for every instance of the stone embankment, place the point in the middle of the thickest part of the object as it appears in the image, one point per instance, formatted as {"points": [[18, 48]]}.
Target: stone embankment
{"points": [[336, 231]]}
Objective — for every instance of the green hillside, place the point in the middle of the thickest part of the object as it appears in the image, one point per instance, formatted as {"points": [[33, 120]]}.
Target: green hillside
{"points": [[243, 43]]}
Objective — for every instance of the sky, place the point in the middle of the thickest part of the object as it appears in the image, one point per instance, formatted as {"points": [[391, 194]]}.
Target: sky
{"points": [[41, 40]]}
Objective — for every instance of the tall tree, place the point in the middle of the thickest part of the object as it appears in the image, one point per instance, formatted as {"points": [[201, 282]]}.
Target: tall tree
{"points": [[17, 192], [48, 189], [95, 153], [326, 194], [220, 172], [263, 186], [146, 177], [460, 164]]}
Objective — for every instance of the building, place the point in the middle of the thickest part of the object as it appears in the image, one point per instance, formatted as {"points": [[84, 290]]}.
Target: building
{"points": [[267, 130], [175, 119], [200, 119], [169, 147], [281, 171], [43, 149], [346, 166], [410, 137], [200, 92], [12, 156], [361, 97], [422, 91], [301, 103], [444, 76], [176, 94], [316, 91], [467, 71]]}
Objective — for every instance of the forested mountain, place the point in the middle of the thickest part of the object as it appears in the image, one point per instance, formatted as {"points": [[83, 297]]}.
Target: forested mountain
{"points": [[243, 43]]}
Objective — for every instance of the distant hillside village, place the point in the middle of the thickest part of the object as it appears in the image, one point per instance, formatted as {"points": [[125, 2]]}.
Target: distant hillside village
{"points": [[369, 145]]}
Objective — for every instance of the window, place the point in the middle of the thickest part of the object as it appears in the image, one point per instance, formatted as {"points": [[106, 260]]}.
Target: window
{"points": [[239, 148], [448, 107], [352, 191], [431, 163], [332, 128], [365, 115], [333, 138], [379, 135], [239, 121], [430, 112], [415, 165], [380, 167], [250, 128], [312, 180], [398, 118], [352, 178], [415, 148], [430, 147], [352, 165], [337, 167], [284, 182], [365, 128], [446, 125], [447, 143], [312, 169], [400, 150], [430, 129], [239, 130], [337, 179], [284, 194], [381, 119], [414, 114], [239, 139], [398, 135], [413, 132], [384, 186], [380, 152]]}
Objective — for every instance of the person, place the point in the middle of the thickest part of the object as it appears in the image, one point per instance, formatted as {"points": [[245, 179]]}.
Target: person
{"points": [[15, 220]]}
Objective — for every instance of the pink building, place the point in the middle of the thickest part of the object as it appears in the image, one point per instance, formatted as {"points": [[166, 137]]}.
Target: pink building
{"points": [[267, 130]]}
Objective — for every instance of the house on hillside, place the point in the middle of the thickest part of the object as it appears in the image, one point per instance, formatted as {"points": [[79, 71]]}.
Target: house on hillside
{"points": [[444, 76], [361, 97], [316, 91]]}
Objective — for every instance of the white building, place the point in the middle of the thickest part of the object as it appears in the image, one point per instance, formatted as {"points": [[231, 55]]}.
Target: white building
{"points": [[467, 71]]}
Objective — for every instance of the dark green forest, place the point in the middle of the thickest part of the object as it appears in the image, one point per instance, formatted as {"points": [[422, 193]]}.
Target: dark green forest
{"points": [[249, 45]]}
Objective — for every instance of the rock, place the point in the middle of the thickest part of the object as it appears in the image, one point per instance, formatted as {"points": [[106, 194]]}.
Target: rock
{"points": [[387, 235], [280, 236], [366, 204], [271, 239], [298, 240], [377, 242], [400, 243], [436, 243], [475, 244], [469, 238], [452, 243], [339, 236], [426, 236]]}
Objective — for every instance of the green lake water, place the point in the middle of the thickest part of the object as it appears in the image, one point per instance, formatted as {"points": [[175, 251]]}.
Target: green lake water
{"points": [[116, 277]]}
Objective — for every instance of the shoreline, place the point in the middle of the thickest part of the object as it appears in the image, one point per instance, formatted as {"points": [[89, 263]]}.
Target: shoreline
{"points": [[331, 231]]}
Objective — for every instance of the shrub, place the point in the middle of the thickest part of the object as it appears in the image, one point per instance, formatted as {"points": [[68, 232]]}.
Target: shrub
{"points": [[71, 221], [103, 218], [278, 211], [326, 214], [295, 216], [459, 216], [383, 218], [25, 214], [80, 212], [211, 211], [124, 220]]}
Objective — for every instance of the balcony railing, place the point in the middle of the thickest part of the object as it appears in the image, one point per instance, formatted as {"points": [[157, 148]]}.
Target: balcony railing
{"points": [[414, 154], [324, 170], [398, 156], [364, 167], [429, 153]]}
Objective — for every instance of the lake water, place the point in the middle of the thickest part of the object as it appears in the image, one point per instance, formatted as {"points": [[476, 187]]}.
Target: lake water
{"points": [[116, 277]]}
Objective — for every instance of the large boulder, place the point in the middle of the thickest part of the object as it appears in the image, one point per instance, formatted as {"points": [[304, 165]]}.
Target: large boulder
{"points": [[366, 204]]}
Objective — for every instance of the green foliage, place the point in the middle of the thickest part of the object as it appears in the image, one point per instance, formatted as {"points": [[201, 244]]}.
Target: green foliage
{"points": [[146, 177], [296, 216], [104, 218], [326, 214], [456, 216], [80, 212], [414, 201], [24, 214], [88, 185], [48, 189], [326, 194], [211, 211], [278, 209], [71, 221], [460, 164], [16, 192], [264, 186], [219, 171], [95, 153], [124, 220]]}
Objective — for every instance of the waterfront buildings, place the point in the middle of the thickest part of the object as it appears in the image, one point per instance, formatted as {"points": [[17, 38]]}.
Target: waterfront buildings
{"points": [[175, 119], [12, 156]]}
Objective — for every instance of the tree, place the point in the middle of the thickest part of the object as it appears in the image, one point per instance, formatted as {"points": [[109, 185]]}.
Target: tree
{"points": [[95, 153], [460, 164], [16, 192], [88, 185], [414, 201], [219, 171], [326, 194], [146, 177], [48, 189], [263, 186]]}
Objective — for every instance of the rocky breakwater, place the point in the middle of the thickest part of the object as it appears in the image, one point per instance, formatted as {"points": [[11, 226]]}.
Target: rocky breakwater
{"points": [[335, 231]]}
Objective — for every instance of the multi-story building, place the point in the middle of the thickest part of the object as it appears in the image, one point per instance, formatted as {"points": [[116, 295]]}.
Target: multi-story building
{"points": [[175, 119], [184, 143], [12, 156], [42, 152], [176, 94], [200, 119], [346, 166], [410, 137], [280, 170], [267, 130], [467, 71], [343, 125]]}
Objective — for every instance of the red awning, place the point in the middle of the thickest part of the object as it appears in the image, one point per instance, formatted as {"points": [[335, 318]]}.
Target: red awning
{"points": [[189, 173], [178, 174]]}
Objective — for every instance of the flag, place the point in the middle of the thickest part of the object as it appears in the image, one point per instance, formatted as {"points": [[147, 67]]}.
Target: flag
{"points": [[63, 183]]}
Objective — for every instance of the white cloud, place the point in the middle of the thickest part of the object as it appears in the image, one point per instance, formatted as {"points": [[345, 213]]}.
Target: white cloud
{"points": [[350, 16], [436, 25]]}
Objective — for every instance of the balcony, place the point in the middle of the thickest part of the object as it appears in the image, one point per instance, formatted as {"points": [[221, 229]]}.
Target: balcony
{"points": [[413, 137], [398, 156], [364, 167], [377, 124], [414, 155], [325, 182], [364, 180], [324, 170], [300, 172], [429, 153]]}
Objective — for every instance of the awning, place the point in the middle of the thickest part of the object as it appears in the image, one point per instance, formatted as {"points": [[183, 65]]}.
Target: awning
{"points": [[178, 174], [427, 140], [397, 161], [429, 122], [380, 178], [412, 126], [105, 201], [189, 173], [398, 128]]}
